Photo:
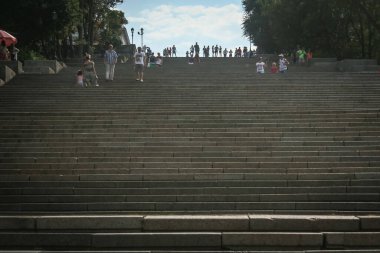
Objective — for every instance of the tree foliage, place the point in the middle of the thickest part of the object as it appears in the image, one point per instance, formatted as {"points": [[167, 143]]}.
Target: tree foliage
{"points": [[65, 26], [342, 28]]}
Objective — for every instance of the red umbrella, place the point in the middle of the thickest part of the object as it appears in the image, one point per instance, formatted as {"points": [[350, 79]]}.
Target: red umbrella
{"points": [[7, 38]]}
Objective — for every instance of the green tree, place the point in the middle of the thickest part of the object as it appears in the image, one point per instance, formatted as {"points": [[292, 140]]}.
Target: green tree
{"points": [[341, 28], [48, 27], [93, 11], [110, 27]]}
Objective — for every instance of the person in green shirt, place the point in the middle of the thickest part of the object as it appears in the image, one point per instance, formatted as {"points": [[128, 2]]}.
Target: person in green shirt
{"points": [[301, 53]]}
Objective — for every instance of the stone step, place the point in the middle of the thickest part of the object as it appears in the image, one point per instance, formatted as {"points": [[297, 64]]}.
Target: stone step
{"points": [[211, 194], [125, 72], [204, 240], [320, 207], [165, 139], [280, 115], [247, 186], [38, 70], [42, 67], [306, 197], [244, 88], [194, 165], [156, 240], [204, 149], [138, 162], [214, 139], [227, 131], [50, 190], [194, 115], [9, 153], [224, 128], [99, 171], [238, 156], [221, 130], [268, 91], [166, 80], [206, 104], [194, 223], [161, 142], [197, 251], [191, 176], [179, 181], [73, 164]]}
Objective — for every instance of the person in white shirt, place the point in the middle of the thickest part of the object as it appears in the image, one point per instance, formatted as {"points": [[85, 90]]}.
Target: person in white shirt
{"points": [[283, 64], [139, 64], [159, 60], [260, 66]]}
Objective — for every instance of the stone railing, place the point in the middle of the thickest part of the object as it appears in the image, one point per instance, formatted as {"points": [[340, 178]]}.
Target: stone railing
{"points": [[43, 66], [8, 70]]}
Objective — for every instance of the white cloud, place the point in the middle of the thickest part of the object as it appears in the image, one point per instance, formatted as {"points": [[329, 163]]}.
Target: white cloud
{"points": [[166, 25]]}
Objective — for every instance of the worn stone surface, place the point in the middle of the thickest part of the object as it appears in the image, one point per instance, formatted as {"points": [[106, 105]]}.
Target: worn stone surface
{"points": [[6, 73], [97, 222], [346, 240], [272, 239], [17, 223], [370, 222], [214, 138], [54, 65], [196, 223], [156, 240], [32, 240], [303, 223]]}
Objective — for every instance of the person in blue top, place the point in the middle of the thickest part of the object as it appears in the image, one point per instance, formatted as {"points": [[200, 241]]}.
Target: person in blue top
{"points": [[110, 60]]}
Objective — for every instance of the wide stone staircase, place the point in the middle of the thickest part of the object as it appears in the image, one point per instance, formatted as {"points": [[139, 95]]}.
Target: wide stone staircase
{"points": [[209, 157]]}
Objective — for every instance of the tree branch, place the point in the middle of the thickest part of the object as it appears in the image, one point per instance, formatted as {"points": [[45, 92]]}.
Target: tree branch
{"points": [[366, 12]]}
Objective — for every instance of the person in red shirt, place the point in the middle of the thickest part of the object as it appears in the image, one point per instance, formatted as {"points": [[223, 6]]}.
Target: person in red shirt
{"points": [[309, 57], [274, 68]]}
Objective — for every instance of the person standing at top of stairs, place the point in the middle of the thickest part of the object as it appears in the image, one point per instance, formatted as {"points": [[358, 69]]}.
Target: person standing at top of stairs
{"points": [[174, 51], [196, 48], [139, 64], [110, 60]]}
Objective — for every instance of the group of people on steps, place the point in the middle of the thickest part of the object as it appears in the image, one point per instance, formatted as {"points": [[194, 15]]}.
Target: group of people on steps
{"points": [[281, 68], [87, 75]]}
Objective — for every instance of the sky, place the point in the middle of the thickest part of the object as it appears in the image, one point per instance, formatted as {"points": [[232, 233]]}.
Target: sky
{"points": [[184, 22]]}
